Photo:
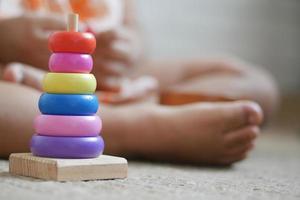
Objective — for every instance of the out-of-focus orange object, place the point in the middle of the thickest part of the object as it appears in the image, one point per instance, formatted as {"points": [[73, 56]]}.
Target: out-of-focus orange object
{"points": [[177, 98], [54, 6], [32, 5], [88, 9]]}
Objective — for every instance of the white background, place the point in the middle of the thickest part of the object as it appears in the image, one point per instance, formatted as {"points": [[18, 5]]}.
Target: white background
{"points": [[265, 32]]}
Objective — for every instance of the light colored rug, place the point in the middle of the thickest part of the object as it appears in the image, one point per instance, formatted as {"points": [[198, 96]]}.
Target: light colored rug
{"points": [[271, 172]]}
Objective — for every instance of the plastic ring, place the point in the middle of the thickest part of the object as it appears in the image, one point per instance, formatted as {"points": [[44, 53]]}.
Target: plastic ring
{"points": [[72, 42], [69, 83], [68, 104], [67, 147], [61, 125], [71, 62]]}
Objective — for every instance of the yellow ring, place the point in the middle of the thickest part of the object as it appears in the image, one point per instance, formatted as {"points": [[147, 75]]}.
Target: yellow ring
{"points": [[69, 83]]}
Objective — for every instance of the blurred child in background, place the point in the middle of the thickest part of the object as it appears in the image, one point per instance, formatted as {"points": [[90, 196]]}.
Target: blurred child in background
{"points": [[201, 111]]}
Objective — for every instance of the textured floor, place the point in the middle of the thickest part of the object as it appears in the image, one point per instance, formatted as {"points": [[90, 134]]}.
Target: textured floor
{"points": [[271, 172]]}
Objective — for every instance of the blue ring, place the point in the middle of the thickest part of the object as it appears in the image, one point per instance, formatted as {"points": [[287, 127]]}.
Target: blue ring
{"points": [[68, 104]]}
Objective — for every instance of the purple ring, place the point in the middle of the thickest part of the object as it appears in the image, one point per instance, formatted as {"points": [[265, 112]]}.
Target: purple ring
{"points": [[66, 147], [71, 62]]}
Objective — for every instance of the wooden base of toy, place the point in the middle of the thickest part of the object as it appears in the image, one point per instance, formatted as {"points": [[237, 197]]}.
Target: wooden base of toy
{"points": [[103, 167]]}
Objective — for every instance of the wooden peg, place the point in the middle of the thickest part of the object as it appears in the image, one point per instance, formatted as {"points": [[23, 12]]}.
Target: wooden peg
{"points": [[73, 22]]}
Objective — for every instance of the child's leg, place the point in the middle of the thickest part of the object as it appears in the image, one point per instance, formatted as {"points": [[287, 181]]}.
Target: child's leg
{"points": [[218, 133], [214, 80], [18, 107]]}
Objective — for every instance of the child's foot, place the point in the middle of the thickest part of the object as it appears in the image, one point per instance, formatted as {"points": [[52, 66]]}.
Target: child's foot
{"points": [[202, 133], [19, 73]]}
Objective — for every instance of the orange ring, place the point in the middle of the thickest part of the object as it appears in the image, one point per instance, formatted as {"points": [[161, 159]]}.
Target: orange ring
{"points": [[72, 42]]}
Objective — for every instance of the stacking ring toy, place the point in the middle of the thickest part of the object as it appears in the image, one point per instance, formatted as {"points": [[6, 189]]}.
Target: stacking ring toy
{"points": [[67, 147], [68, 104], [71, 63], [63, 125], [72, 42], [69, 83]]}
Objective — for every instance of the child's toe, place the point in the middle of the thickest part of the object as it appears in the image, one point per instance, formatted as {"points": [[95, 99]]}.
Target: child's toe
{"points": [[241, 137], [239, 114], [239, 150], [254, 112]]}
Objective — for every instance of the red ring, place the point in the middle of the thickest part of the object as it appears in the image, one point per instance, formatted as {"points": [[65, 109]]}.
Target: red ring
{"points": [[72, 42]]}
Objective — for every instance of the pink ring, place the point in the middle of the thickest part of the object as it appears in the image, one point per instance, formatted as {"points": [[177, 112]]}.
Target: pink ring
{"points": [[60, 125], [71, 62]]}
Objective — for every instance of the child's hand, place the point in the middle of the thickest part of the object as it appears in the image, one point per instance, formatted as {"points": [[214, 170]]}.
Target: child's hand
{"points": [[117, 51], [25, 39]]}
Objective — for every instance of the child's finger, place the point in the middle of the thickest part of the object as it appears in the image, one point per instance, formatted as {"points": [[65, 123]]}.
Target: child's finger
{"points": [[126, 34], [105, 38], [104, 68], [117, 52], [124, 50], [24, 74]]}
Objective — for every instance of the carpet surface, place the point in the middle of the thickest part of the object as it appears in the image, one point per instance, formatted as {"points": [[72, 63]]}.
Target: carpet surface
{"points": [[272, 171]]}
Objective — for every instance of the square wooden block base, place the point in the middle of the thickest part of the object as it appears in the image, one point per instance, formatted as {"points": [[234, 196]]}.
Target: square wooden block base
{"points": [[103, 167]]}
